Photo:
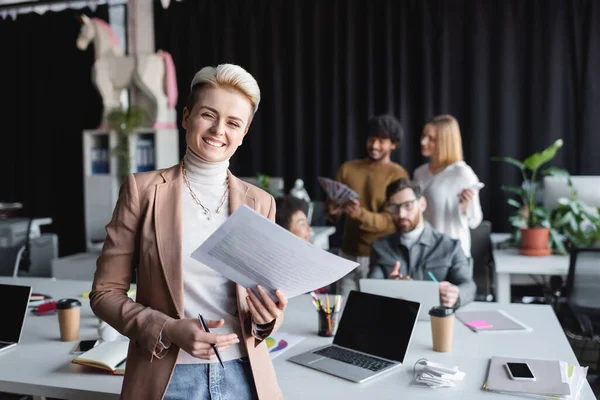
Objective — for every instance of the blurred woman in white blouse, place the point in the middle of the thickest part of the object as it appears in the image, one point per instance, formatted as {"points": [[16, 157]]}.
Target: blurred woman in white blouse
{"points": [[449, 184]]}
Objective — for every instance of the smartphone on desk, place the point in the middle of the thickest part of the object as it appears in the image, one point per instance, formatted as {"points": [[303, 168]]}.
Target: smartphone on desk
{"points": [[519, 371], [84, 345]]}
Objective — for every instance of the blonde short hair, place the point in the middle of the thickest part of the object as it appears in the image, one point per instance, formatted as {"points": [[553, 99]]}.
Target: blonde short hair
{"points": [[227, 76], [448, 147]]}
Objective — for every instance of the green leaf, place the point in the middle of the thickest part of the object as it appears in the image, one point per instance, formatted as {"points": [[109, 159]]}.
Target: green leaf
{"points": [[540, 212], [510, 160], [554, 171], [515, 189], [534, 161], [514, 203], [558, 242], [564, 220]]}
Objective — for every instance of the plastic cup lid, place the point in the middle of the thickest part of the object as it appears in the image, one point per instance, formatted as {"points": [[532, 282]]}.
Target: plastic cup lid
{"points": [[440, 311], [65, 304]]}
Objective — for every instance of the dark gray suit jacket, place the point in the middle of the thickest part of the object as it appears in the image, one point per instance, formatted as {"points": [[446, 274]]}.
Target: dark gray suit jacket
{"points": [[434, 251]]}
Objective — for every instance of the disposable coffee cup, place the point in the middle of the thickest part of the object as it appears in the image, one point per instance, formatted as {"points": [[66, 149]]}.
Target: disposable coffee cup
{"points": [[69, 314], [442, 328]]}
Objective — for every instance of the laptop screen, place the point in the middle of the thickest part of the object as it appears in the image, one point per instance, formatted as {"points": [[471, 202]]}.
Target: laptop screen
{"points": [[15, 300], [377, 325]]}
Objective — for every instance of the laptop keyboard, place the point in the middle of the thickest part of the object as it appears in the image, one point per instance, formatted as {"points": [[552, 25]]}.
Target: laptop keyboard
{"points": [[353, 358]]}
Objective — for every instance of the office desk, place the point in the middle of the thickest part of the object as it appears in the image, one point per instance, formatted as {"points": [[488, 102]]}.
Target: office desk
{"points": [[79, 267], [511, 264], [41, 364], [471, 352]]}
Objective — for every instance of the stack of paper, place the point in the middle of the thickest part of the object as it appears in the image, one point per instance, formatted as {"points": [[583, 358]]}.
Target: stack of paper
{"points": [[251, 250], [37, 299], [337, 191], [554, 379], [436, 375]]}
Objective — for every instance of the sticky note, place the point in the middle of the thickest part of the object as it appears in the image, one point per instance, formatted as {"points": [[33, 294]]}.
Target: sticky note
{"points": [[480, 324]]}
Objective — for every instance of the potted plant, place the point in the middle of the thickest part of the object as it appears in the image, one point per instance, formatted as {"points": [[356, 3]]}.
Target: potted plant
{"points": [[531, 219], [124, 122], [576, 223]]}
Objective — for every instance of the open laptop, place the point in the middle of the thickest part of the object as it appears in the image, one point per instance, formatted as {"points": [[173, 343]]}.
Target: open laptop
{"points": [[15, 300], [372, 338], [425, 292]]}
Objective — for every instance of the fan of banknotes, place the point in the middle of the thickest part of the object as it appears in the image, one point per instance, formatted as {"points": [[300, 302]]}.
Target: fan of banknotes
{"points": [[337, 191]]}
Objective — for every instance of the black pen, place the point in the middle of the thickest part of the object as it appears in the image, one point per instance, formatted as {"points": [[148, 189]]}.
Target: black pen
{"points": [[214, 346]]}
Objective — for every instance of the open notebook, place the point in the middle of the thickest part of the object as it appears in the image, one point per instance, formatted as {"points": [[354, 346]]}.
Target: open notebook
{"points": [[109, 356]]}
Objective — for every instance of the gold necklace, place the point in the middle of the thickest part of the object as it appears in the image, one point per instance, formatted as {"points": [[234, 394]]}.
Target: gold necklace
{"points": [[197, 200]]}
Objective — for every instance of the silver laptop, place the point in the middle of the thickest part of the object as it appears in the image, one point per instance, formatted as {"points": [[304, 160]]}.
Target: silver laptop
{"points": [[15, 300], [372, 338], [425, 292]]}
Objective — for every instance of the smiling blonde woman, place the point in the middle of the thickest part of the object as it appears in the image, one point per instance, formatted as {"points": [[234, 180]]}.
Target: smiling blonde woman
{"points": [[161, 217]]}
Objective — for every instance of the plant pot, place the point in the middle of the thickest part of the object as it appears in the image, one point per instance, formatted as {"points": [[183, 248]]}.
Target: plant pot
{"points": [[534, 242]]}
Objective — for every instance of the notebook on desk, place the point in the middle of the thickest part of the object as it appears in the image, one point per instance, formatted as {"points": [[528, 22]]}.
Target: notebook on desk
{"points": [[108, 356], [16, 300], [491, 321], [372, 338], [550, 379]]}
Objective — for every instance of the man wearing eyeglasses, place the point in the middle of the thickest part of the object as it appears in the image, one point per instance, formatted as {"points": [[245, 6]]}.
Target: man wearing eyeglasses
{"points": [[365, 218], [419, 252]]}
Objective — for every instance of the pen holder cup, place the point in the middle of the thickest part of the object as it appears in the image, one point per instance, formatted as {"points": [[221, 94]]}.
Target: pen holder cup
{"points": [[328, 322]]}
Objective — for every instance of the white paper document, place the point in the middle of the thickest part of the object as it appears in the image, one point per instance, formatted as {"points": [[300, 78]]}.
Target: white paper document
{"points": [[249, 249], [280, 342]]}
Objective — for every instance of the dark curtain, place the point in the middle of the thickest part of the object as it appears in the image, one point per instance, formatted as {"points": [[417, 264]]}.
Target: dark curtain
{"points": [[517, 75], [47, 99]]}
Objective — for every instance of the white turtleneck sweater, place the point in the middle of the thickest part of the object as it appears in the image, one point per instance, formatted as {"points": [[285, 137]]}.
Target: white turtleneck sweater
{"points": [[205, 291], [410, 238]]}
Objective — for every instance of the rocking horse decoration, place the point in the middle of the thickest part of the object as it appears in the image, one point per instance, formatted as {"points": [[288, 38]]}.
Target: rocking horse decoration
{"points": [[153, 75]]}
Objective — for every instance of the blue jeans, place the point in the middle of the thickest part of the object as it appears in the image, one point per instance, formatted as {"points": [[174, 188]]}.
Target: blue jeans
{"points": [[211, 382]]}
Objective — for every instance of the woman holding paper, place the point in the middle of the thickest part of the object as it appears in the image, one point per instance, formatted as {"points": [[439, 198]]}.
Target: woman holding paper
{"points": [[447, 182], [161, 217]]}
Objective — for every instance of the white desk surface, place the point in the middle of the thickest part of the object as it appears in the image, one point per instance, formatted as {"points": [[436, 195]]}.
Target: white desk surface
{"points": [[509, 261], [41, 364], [512, 268]]}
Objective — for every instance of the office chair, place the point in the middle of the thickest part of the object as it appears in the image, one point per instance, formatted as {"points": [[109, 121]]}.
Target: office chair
{"points": [[580, 314], [483, 261]]}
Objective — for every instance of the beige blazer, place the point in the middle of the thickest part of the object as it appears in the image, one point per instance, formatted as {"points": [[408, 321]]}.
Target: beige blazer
{"points": [[145, 232]]}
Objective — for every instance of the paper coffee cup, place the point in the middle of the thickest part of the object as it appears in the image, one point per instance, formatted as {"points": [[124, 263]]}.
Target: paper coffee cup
{"points": [[442, 328], [69, 314]]}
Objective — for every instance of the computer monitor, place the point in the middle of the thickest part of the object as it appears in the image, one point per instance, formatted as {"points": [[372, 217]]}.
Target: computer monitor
{"points": [[555, 187]]}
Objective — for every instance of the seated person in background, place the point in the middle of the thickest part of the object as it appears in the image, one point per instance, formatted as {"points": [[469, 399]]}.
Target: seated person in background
{"points": [[418, 249], [291, 214]]}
